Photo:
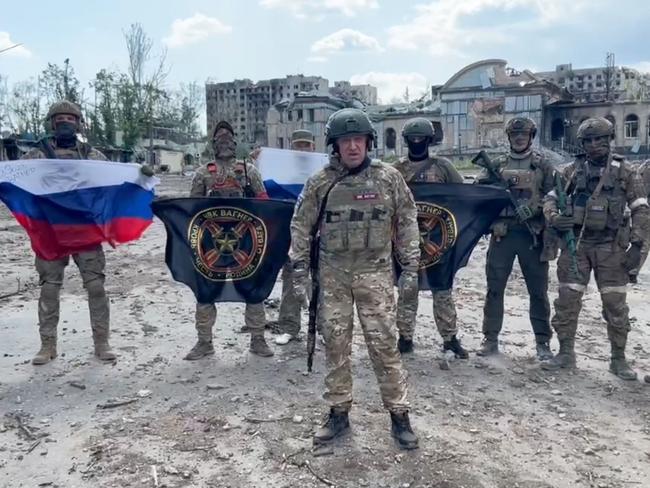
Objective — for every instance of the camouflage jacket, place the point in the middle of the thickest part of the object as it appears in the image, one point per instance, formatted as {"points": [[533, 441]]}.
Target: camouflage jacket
{"points": [[47, 149], [529, 179], [221, 178], [605, 217], [431, 170], [368, 215]]}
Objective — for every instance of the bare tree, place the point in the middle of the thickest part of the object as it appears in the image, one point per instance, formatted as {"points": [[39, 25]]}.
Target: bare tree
{"points": [[25, 108]]}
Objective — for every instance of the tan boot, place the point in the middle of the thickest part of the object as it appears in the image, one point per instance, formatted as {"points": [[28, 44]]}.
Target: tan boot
{"points": [[47, 351], [260, 347], [103, 349]]}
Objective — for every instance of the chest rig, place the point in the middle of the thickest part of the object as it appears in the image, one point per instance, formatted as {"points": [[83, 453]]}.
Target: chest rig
{"points": [[427, 171], [358, 216], [79, 151], [599, 197], [227, 181], [525, 179]]}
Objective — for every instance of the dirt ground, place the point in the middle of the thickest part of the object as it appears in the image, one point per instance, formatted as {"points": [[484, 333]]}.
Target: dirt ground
{"points": [[237, 420]]}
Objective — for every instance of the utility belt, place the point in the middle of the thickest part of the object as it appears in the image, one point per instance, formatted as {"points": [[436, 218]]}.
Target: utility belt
{"points": [[506, 225]]}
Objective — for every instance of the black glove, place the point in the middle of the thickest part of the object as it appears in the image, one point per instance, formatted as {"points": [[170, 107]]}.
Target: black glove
{"points": [[563, 223], [524, 212], [633, 256]]}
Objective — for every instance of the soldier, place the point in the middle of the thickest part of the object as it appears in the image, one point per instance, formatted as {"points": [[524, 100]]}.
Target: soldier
{"points": [[357, 205], [518, 233], [419, 166], [64, 119], [289, 316], [600, 186], [227, 177], [644, 173]]}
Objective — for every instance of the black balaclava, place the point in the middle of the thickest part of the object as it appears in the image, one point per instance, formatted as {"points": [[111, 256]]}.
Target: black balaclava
{"points": [[418, 151], [65, 134]]}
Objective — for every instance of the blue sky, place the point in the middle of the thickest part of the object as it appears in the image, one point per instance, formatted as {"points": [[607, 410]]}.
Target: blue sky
{"points": [[389, 43]]}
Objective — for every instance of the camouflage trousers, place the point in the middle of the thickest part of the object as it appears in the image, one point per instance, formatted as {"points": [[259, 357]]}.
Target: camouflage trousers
{"points": [[289, 316], [206, 317], [644, 256], [611, 278], [372, 293], [444, 312], [91, 266], [501, 256]]}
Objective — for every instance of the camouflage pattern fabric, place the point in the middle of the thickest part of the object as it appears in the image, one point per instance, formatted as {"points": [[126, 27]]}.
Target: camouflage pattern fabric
{"points": [[91, 264], [362, 212], [600, 250], [434, 170], [206, 317]]}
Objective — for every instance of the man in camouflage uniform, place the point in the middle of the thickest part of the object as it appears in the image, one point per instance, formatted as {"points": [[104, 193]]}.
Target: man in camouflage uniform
{"points": [[361, 205], [529, 177], [644, 173], [419, 166], [227, 177], [600, 186], [64, 119], [289, 316]]}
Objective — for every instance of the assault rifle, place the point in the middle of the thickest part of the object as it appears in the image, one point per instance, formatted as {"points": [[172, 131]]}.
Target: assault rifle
{"points": [[569, 235], [482, 160], [314, 256]]}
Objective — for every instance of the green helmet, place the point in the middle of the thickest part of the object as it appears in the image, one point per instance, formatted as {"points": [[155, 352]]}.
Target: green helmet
{"points": [[302, 135], [418, 127], [595, 127], [522, 124], [348, 122], [64, 107]]}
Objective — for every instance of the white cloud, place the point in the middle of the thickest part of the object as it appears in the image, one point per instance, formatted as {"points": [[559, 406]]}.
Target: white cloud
{"points": [[194, 29], [305, 8], [345, 40], [316, 59], [392, 86], [439, 25], [642, 66], [6, 42]]}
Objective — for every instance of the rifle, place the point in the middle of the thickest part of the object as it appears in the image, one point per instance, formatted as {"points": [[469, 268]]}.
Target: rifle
{"points": [[482, 160], [248, 188], [569, 235], [314, 256]]}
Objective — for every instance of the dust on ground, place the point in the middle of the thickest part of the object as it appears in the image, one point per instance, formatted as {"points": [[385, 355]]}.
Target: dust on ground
{"points": [[236, 420]]}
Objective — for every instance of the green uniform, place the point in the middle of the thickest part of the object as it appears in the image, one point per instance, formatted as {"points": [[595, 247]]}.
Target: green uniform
{"points": [[530, 177]]}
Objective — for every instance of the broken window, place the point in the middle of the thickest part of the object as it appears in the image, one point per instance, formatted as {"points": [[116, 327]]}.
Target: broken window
{"points": [[390, 138], [631, 127]]}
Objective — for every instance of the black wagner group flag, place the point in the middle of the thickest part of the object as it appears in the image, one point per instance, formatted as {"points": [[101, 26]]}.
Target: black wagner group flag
{"points": [[451, 220], [226, 249]]}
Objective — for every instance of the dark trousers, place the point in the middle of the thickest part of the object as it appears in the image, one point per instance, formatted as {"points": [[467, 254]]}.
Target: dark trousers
{"points": [[500, 258]]}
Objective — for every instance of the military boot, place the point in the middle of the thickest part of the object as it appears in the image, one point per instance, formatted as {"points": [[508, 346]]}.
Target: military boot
{"points": [[260, 347], [404, 345], [47, 351], [565, 358], [337, 424], [543, 351], [201, 349], [402, 431], [489, 347], [454, 346], [103, 349], [618, 365]]}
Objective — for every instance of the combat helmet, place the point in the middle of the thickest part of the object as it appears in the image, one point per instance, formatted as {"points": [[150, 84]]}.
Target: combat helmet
{"points": [[418, 127], [348, 122], [522, 124], [595, 127], [63, 107]]}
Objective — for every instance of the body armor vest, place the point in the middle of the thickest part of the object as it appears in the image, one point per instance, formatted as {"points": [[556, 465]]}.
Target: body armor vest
{"points": [[358, 217]]}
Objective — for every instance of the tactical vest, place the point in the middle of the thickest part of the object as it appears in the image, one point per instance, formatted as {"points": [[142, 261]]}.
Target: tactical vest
{"points": [[223, 181], [605, 214], [524, 184], [80, 151], [358, 217], [427, 171]]}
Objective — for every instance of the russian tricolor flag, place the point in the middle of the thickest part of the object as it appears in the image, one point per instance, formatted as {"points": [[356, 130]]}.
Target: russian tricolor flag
{"points": [[69, 206]]}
